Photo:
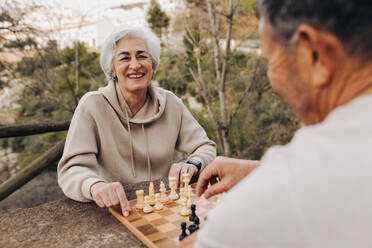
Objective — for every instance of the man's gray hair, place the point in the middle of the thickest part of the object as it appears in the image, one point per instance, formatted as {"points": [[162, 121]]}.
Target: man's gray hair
{"points": [[349, 20], [109, 45]]}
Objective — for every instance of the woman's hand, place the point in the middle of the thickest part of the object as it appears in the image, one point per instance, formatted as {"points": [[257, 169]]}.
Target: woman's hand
{"points": [[223, 173], [178, 169], [110, 195]]}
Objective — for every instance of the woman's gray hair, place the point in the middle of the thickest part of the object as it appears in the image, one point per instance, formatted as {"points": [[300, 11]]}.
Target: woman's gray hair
{"points": [[109, 45]]}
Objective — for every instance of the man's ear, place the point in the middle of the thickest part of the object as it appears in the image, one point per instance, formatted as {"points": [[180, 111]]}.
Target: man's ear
{"points": [[318, 52]]}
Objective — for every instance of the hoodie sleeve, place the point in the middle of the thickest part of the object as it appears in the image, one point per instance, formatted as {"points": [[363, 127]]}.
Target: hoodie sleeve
{"points": [[193, 140], [78, 167]]}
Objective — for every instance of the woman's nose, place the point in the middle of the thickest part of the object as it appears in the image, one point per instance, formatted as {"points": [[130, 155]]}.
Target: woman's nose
{"points": [[134, 64]]}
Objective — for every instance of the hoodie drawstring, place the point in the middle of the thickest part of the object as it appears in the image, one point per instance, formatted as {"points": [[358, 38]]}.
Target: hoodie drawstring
{"points": [[147, 153], [131, 145]]}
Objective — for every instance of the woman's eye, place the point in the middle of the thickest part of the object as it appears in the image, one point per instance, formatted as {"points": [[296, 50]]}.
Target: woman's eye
{"points": [[124, 58], [142, 57]]}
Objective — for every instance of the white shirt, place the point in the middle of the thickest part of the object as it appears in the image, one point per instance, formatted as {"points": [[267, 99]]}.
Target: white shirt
{"points": [[314, 192]]}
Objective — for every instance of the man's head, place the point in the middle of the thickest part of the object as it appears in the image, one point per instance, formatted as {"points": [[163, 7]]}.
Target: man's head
{"points": [[311, 47]]}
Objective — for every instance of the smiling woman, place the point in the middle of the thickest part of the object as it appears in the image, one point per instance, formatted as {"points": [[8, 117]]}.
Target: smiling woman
{"points": [[128, 131]]}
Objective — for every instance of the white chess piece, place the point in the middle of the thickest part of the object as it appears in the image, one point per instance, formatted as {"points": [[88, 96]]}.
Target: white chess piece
{"points": [[189, 190], [158, 205], [189, 199], [140, 200], [163, 194], [147, 208], [183, 198], [151, 194], [172, 184], [185, 211], [186, 180]]}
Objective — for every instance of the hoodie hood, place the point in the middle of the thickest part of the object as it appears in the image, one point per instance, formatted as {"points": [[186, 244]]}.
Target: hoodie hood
{"points": [[151, 111]]}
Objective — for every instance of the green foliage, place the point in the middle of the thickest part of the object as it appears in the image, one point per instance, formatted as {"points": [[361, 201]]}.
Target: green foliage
{"points": [[157, 19], [50, 92], [262, 120]]}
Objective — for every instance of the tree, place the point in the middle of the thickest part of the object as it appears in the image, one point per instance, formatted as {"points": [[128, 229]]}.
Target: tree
{"points": [[226, 80], [157, 19]]}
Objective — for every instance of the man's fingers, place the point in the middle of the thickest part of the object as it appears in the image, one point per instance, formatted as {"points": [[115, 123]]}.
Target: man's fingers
{"points": [[125, 208], [214, 190], [209, 172]]}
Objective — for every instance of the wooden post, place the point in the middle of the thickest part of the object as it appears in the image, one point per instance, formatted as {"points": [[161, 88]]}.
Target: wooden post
{"points": [[29, 129], [31, 170]]}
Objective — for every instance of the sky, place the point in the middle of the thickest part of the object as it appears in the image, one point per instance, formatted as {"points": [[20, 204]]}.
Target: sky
{"points": [[87, 5]]}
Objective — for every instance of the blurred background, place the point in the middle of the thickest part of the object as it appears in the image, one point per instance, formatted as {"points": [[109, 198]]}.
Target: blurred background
{"points": [[49, 58]]}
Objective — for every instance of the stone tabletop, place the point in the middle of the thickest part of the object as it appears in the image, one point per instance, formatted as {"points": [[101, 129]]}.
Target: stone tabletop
{"points": [[67, 223]]}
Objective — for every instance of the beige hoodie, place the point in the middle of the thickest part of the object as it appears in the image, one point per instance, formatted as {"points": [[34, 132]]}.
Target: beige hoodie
{"points": [[101, 146]]}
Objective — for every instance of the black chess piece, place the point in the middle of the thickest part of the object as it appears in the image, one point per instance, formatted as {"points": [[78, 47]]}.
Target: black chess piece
{"points": [[192, 228], [193, 215], [183, 234]]}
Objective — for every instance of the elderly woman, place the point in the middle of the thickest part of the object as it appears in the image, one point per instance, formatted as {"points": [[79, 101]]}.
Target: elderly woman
{"points": [[128, 131]]}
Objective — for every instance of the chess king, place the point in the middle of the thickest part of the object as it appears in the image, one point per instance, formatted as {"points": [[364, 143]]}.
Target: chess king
{"points": [[115, 132], [315, 191]]}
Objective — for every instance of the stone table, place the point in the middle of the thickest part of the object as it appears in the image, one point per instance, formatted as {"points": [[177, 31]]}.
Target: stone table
{"points": [[67, 223]]}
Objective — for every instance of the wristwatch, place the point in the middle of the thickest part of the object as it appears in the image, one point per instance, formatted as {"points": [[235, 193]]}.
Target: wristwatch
{"points": [[195, 162]]}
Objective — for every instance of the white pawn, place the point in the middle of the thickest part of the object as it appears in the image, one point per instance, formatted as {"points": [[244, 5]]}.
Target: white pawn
{"points": [[172, 184], [147, 208], [158, 205], [140, 201], [163, 195], [151, 194]]}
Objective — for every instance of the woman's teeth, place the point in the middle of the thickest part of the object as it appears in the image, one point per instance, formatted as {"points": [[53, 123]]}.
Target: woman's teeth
{"points": [[136, 76]]}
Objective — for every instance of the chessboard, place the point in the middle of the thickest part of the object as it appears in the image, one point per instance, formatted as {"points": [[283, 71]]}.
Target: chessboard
{"points": [[161, 229]]}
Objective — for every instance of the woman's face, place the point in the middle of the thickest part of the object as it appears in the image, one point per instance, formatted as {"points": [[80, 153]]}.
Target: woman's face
{"points": [[132, 64]]}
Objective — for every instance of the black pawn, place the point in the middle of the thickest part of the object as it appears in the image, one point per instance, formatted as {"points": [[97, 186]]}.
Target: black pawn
{"points": [[193, 216], [183, 234], [195, 226]]}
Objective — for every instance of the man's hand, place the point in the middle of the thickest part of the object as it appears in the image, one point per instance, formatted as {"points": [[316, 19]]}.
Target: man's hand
{"points": [[178, 169], [189, 241], [223, 173], [110, 195]]}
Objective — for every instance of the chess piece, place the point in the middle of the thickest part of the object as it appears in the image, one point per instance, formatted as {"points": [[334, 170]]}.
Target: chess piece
{"points": [[192, 228], [182, 197], [183, 234], [189, 200], [140, 200], [186, 180], [163, 195], [147, 208], [151, 194], [158, 205], [193, 215], [189, 190], [185, 211], [172, 184]]}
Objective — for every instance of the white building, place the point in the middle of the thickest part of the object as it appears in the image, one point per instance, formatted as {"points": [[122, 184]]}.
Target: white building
{"points": [[67, 25]]}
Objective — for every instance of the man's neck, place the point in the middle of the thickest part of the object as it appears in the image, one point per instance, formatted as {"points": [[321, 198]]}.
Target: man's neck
{"points": [[351, 82]]}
